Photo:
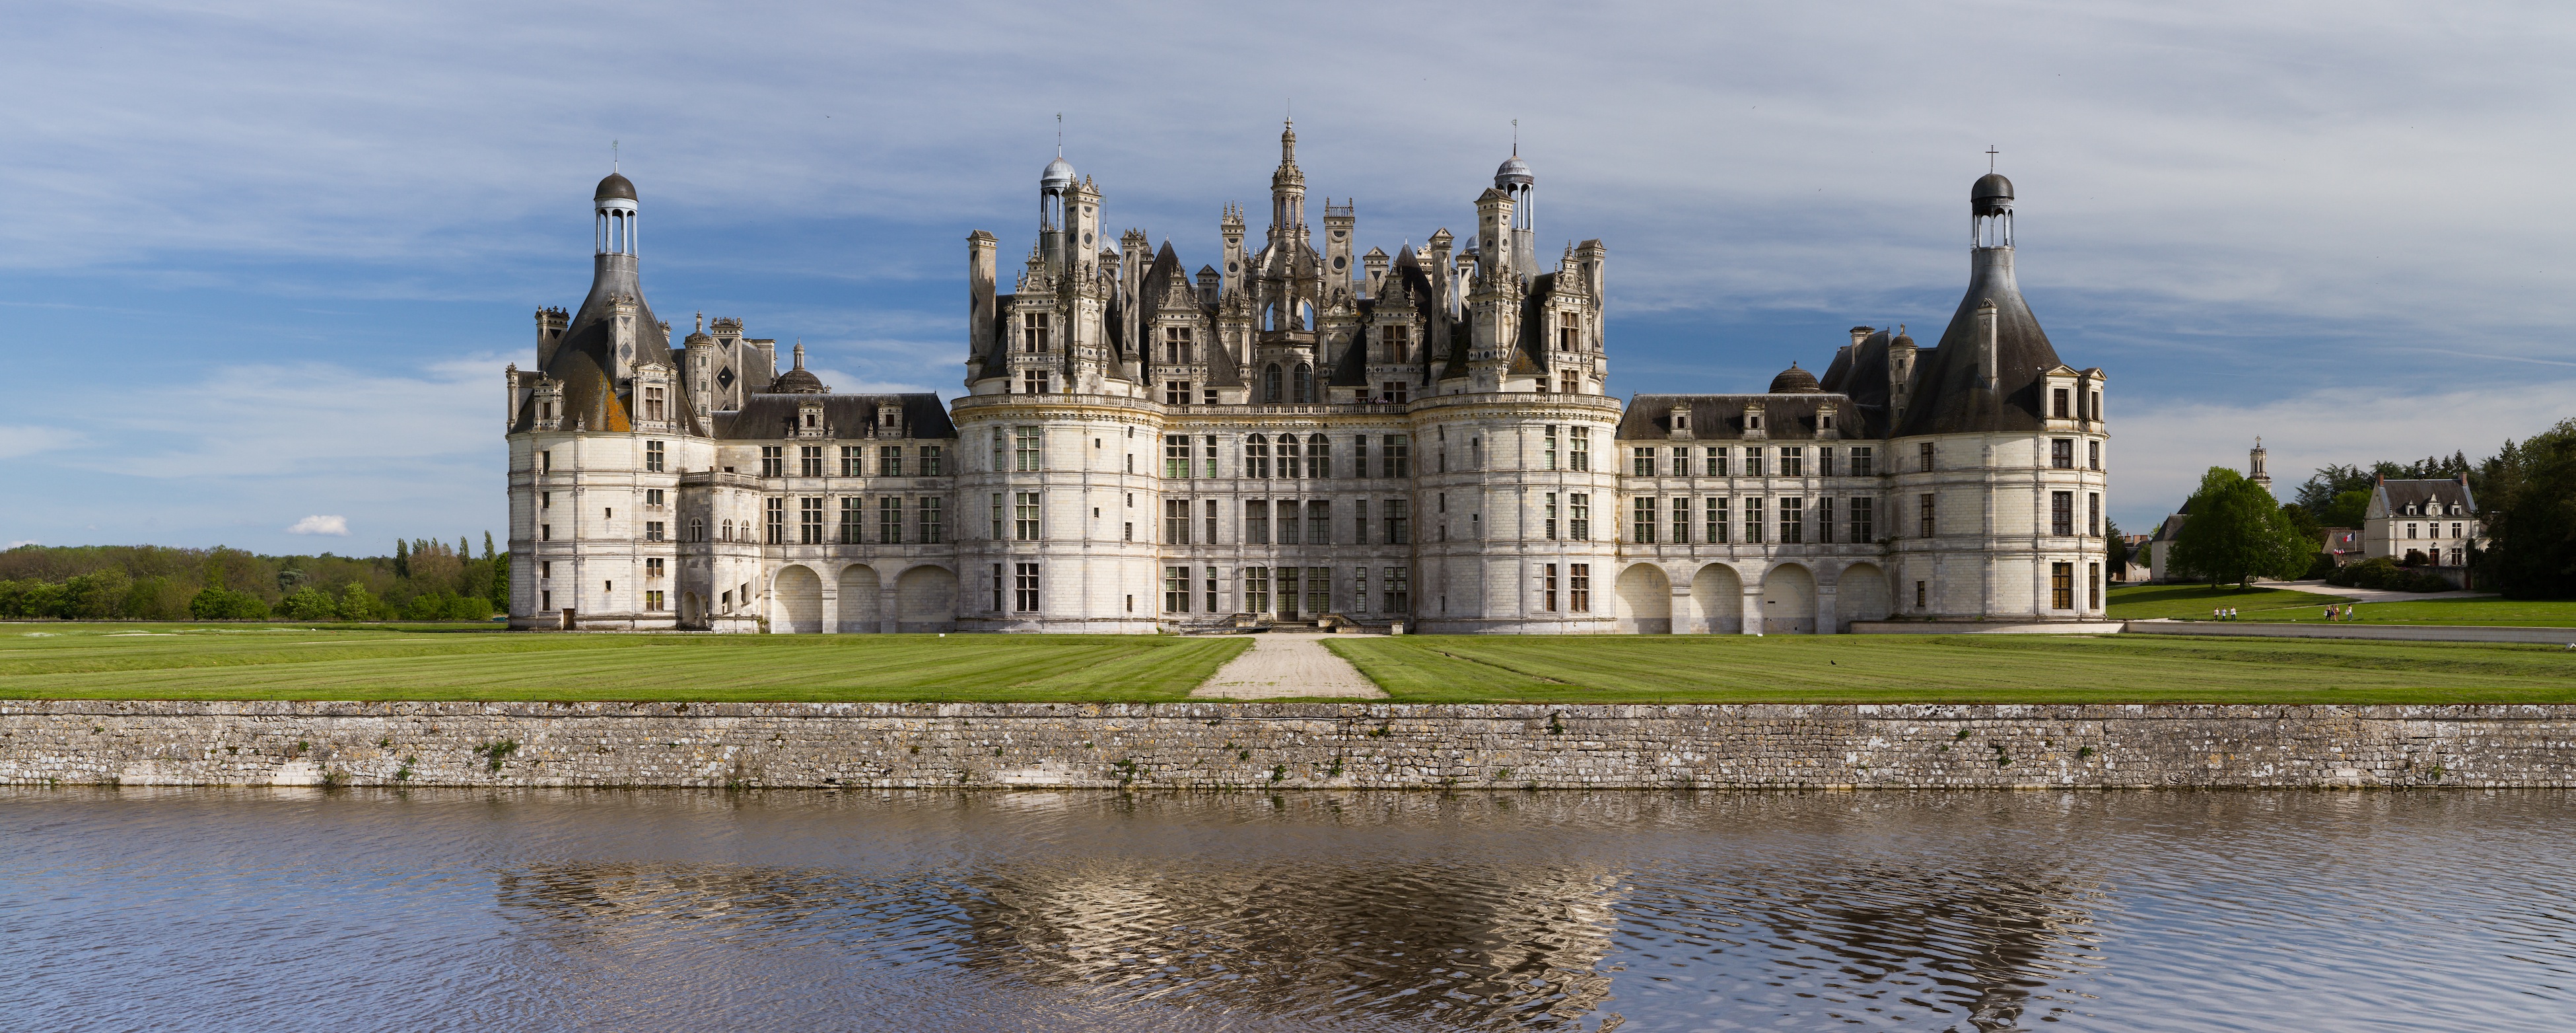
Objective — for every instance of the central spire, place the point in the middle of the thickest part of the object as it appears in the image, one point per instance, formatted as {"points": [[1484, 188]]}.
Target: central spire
{"points": [[1287, 191]]}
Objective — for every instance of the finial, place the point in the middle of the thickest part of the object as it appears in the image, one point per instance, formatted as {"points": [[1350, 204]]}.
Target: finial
{"points": [[612, 156], [1516, 138], [800, 353], [1990, 157], [702, 321], [1059, 134]]}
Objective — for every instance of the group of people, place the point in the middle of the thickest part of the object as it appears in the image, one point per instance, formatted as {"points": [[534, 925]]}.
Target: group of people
{"points": [[2346, 612]]}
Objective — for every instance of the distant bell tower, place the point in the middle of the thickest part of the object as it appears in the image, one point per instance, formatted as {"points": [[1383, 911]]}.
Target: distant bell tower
{"points": [[2254, 469]]}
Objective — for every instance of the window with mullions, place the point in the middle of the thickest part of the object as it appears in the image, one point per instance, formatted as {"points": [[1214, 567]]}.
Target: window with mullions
{"points": [[1642, 529], [1399, 521], [1793, 461], [2061, 513], [1681, 521], [1028, 449], [1547, 448], [777, 521], [1176, 521], [809, 521], [809, 461], [1176, 589], [1291, 462], [931, 461], [1753, 521], [890, 520], [1289, 529], [1178, 348], [1176, 456], [1256, 456], [930, 521], [1256, 522], [1025, 522], [773, 460], [1793, 521], [653, 454], [2061, 586], [1581, 454], [1924, 525], [1397, 590], [1861, 459], [1036, 332], [1642, 462], [2061, 453], [1713, 460], [1547, 587], [1718, 531], [1319, 457], [1862, 532], [1551, 516], [1395, 455], [889, 460], [1256, 589], [854, 461], [853, 520], [1752, 462], [1578, 517], [1825, 520], [1024, 587], [1319, 522], [1578, 587]]}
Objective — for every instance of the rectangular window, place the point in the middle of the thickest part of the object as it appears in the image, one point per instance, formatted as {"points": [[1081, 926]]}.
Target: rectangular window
{"points": [[2061, 453], [1359, 457], [1211, 584], [1319, 523], [1924, 526], [1035, 332], [1861, 461], [930, 522], [1025, 526], [1256, 456], [997, 588], [545, 532], [1861, 531], [932, 461], [1919, 595], [1179, 349], [1752, 461], [653, 454], [1319, 590], [1319, 457], [1681, 521], [773, 460], [1289, 466], [2093, 454], [1359, 522], [1287, 579], [545, 462], [1923, 454], [1176, 456], [889, 460], [1793, 461], [652, 530], [1547, 587], [1288, 527], [1028, 449], [653, 568], [1024, 587], [1578, 517], [2061, 513], [1256, 589], [853, 461], [809, 521], [2061, 586], [1548, 450], [1569, 331], [653, 498], [1753, 521], [1395, 344], [1399, 521], [1824, 462], [1718, 531], [2093, 586], [1582, 449], [653, 413], [1578, 587], [997, 517], [777, 521], [1825, 520], [890, 520], [1398, 593], [1392, 391], [1176, 392], [1714, 460], [1551, 516], [1256, 521], [2058, 404], [1176, 521], [1793, 521], [1642, 529], [1359, 590], [1642, 462], [809, 461], [652, 599], [1395, 455], [1211, 523], [2093, 515], [1176, 589]]}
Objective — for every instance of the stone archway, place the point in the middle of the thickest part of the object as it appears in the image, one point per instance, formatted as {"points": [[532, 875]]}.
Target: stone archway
{"points": [[693, 610], [1789, 600], [1646, 600], [926, 600], [1717, 601], [796, 601], [861, 613], [1862, 595]]}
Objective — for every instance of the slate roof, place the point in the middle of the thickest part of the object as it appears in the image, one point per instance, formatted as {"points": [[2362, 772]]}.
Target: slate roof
{"points": [[1947, 397], [1721, 417], [770, 417], [2390, 498]]}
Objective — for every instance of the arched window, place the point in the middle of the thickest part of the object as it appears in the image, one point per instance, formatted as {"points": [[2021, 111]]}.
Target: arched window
{"points": [[724, 531], [1256, 454], [1319, 457], [1305, 383], [1288, 464], [697, 529], [1270, 383]]}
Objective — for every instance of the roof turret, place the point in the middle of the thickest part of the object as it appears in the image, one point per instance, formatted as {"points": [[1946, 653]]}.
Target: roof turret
{"points": [[1794, 381]]}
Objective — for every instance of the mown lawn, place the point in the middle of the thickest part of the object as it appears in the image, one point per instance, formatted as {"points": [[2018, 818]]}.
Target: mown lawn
{"points": [[1955, 669], [105, 661], [2193, 602]]}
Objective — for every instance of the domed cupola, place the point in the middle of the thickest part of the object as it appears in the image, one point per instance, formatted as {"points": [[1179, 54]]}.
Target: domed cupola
{"points": [[1514, 172], [1795, 381], [1990, 205], [798, 381], [1993, 190], [615, 186], [1058, 175]]}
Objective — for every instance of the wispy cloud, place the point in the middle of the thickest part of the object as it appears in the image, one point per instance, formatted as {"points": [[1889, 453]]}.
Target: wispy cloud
{"points": [[319, 524], [18, 441]]}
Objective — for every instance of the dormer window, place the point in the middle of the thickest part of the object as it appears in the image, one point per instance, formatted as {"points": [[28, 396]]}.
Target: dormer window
{"points": [[1681, 421], [811, 420], [1825, 421], [2410, 509], [653, 403], [1753, 421]]}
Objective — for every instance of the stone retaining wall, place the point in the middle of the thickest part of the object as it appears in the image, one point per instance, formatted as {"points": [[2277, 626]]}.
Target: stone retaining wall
{"points": [[1279, 746]]}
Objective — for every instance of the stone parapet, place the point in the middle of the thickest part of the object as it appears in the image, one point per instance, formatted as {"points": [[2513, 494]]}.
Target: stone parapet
{"points": [[1257, 746]]}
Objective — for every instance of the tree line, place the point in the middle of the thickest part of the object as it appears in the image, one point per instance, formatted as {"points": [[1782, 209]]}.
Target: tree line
{"points": [[424, 579], [2526, 497]]}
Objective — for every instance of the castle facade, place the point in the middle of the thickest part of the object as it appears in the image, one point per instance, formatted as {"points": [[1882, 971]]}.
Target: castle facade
{"points": [[1423, 437]]}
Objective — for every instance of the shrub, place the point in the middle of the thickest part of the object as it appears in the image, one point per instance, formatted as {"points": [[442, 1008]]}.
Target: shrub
{"points": [[469, 608], [225, 604], [309, 604], [2321, 565], [358, 604]]}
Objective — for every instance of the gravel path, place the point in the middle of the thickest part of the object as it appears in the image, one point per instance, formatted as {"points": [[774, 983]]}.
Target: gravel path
{"points": [[1280, 665], [2374, 595]]}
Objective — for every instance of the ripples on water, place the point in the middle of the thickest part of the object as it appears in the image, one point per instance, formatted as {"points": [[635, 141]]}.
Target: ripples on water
{"points": [[363, 910]]}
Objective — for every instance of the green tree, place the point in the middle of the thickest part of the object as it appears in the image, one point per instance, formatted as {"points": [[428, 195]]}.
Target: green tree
{"points": [[309, 604], [2238, 533], [358, 604], [2347, 509], [402, 558], [2115, 549], [2530, 516]]}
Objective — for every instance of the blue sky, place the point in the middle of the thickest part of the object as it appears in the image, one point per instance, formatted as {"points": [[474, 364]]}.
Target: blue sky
{"points": [[260, 263]]}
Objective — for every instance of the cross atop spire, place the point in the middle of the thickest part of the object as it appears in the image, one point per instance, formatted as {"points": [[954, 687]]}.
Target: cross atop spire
{"points": [[1990, 157]]}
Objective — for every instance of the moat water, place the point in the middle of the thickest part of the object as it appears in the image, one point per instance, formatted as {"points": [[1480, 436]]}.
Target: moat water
{"points": [[542, 910]]}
